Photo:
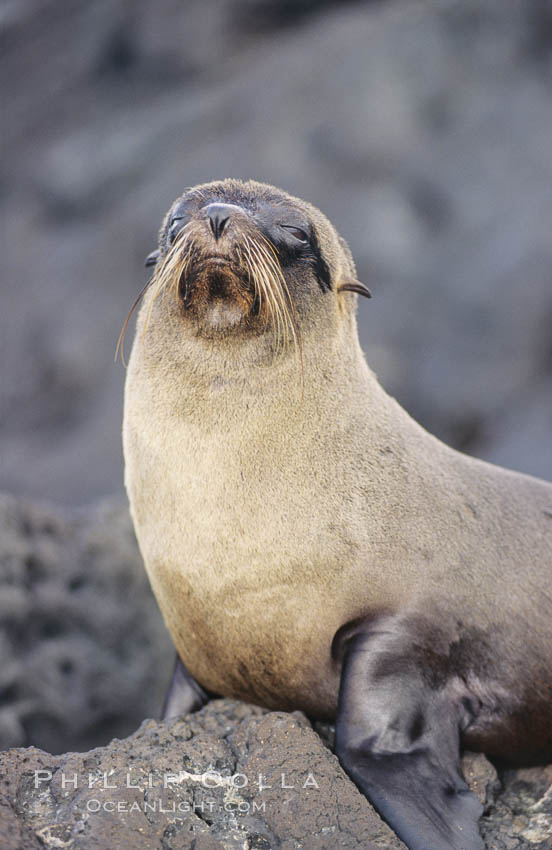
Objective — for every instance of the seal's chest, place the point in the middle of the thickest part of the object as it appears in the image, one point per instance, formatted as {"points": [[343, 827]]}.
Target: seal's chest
{"points": [[252, 559], [239, 534], [252, 636]]}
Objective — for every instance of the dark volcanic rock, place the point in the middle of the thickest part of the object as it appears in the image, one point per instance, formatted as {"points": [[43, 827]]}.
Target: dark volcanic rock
{"points": [[84, 654], [235, 777], [230, 776], [522, 816]]}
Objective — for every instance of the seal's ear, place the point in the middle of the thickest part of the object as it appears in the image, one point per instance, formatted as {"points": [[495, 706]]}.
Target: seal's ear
{"points": [[151, 259], [350, 285]]}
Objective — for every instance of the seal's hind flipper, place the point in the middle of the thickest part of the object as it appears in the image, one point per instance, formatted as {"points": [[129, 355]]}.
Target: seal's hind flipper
{"points": [[184, 694], [398, 739]]}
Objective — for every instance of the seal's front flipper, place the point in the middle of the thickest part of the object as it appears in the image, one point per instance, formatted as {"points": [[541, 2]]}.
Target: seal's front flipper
{"points": [[398, 739], [184, 695]]}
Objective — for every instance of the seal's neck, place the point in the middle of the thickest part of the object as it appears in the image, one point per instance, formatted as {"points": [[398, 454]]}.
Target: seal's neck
{"points": [[225, 382]]}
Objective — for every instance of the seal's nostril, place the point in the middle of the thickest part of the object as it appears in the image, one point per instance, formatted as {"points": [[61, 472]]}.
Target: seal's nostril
{"points": [[218, 215]]}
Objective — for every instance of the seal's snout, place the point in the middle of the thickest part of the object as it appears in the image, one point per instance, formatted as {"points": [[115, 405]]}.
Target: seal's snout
{"points": [[223, 258], [208, 262], [219, 215]]}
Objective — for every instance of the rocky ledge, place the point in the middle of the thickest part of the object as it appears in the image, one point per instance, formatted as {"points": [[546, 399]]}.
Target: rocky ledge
{"points": [[231, 776]]}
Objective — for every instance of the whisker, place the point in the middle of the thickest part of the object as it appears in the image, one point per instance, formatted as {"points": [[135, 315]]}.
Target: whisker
{"points": [[260, 286], [288, 305], [282, 289], [258, 259], [120, 347], [170, 272], [271, 285]]}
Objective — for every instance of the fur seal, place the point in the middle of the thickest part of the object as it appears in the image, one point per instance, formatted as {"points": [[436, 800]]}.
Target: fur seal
{"points": [[309, 544]]}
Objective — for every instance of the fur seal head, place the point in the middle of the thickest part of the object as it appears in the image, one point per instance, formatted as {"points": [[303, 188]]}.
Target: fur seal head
{"points": [[246, 259]]}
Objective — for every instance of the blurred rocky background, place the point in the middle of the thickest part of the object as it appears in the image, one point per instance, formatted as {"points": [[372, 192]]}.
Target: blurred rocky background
{"points": [[423, 129], [84, 654]]}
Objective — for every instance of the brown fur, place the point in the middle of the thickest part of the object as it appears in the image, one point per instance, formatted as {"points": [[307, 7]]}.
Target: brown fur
{"points": [[268, 520]]}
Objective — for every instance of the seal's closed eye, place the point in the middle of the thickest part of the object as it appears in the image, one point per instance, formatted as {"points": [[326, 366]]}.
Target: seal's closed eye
{"points": [[296, 232]]}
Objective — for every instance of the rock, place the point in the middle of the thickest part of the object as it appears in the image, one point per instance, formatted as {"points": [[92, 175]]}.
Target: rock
{"points": [[235, 776], [522, 816], [231, 776], [15, 833], [84, 654], [482, 778]]}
